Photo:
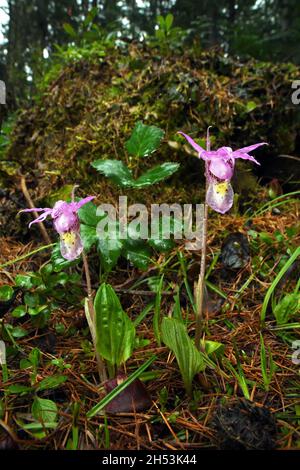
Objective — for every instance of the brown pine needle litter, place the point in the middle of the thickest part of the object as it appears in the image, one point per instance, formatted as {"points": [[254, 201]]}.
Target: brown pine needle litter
{"points": [[174, 421]]}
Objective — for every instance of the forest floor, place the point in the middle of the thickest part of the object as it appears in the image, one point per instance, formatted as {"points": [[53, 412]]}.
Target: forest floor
{"points": [[173, 420]]}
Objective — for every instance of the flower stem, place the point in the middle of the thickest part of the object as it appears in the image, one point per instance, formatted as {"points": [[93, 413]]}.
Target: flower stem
{"points": [[90, 314], [199, 291]]}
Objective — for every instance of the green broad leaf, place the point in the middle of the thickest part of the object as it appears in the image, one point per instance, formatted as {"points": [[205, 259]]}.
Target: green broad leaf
{"points": [[70, 30], [213, 347], [250, 106], [144, 140], [166, 226], [90, 16], [23, 281], [51, 382], [19, 311], [288, 306], [161, 21], [162, 245], [137, 253], [18, 332], [61, 278], [156, 174], [88, 214], [6, 293], [35, 356], [18, 389], [189, 360], [44, 411], [88, 236], [160, 34], [109, 252], [32, 300], [115, 331], [62, 194], [169, 21], [116, 171], [37, 310], [25, 364]]}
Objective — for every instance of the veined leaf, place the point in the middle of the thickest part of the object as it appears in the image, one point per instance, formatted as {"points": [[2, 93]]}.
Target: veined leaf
{"points": [[109, 252], [114, 330], [115, 170], [88, 214], [144, 140], [156, 174], [88, 236], [118, 172], [137, 252], [162, 245], [190, 361], [6, 293], [43, 410], [51, 382]]}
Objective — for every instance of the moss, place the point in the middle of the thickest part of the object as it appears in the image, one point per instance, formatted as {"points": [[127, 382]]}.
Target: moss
{"points": [[90, 109]]}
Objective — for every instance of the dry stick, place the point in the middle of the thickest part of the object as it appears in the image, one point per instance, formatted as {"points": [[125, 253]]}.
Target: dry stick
{"points": [[91, 319], [32, 206]]}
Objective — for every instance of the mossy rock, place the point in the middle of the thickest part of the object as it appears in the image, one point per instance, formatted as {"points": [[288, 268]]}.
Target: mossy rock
{"points": [[90, 109]]}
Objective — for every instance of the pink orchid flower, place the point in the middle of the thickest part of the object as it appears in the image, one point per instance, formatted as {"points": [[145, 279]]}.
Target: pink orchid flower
{"points": [[219, 169], [66, 223]]}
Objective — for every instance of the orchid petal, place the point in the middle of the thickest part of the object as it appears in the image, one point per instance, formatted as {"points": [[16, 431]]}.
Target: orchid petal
{"points": [[221, 168], [41, 218], [245, 156], [58, 207], [197, 147], [251, 147], [219, 196], [225, 152], [79, 204], [36, 209], [66, 221]]}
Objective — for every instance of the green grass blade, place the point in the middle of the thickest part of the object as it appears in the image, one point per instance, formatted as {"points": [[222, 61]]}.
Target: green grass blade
{"points": [[143, 313], [115, 392], [21, 258], [156, 316], [275, 282]]}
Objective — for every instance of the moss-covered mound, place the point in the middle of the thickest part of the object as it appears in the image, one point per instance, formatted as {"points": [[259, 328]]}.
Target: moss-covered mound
{"points": [[89, 111]]}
